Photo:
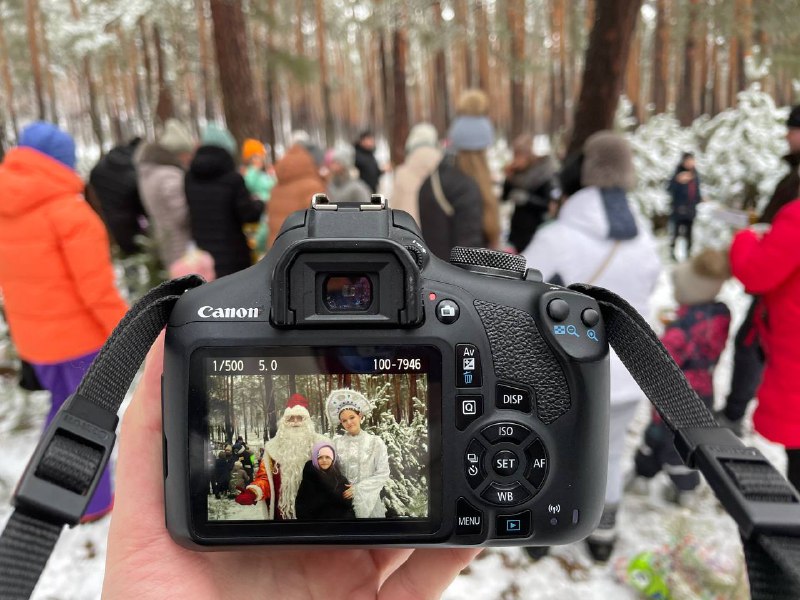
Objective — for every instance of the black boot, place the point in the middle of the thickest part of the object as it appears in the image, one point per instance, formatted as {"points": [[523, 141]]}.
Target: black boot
{"points": [[601, 541]]}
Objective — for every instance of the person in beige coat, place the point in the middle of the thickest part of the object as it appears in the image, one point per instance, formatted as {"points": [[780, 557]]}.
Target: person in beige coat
{"points": [[422, 156], [160, 169]]}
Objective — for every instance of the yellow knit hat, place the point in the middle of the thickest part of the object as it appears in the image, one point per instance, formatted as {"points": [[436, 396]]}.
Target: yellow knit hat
{"points": [[251, 148]]}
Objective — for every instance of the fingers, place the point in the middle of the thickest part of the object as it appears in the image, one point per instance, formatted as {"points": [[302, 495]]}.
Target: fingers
{"points": [[387, 561], [426, 574], [139, 478]]}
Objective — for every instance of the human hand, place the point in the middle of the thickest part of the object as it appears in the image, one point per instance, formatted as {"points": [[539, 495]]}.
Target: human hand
{"points": [[684, 177], [144, 562], [349, 492]]}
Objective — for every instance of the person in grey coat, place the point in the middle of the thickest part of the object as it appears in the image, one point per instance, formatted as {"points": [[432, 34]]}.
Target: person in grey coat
{"points": [[342, 185], [160, 168]]}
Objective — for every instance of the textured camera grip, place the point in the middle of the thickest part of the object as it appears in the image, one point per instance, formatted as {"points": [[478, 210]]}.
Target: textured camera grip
{"points": [[520, 354]]}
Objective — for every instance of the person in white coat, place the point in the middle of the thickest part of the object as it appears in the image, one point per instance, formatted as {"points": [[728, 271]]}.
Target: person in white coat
{"points": [[600, 239], [364, 459]]}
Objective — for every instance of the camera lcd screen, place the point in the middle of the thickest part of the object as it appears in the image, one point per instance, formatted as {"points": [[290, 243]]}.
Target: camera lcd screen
{"points": [[317, 434]]}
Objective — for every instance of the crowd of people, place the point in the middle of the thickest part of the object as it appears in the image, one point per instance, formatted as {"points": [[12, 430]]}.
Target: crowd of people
{"points": [[225, 201]]}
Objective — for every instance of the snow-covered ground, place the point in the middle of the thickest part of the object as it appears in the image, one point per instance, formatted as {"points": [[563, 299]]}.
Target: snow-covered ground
{"points": [[75, 570]]}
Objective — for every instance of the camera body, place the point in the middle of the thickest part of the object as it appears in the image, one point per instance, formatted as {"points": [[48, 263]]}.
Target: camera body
{"points": [[482, 395]]}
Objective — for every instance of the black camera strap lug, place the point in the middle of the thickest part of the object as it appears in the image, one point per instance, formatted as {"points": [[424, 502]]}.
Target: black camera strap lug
{"points": [[760, 500], [68, 462]]}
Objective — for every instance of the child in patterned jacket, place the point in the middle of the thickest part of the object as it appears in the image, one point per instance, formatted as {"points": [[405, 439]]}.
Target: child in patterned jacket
{"points": [[695, 340]]}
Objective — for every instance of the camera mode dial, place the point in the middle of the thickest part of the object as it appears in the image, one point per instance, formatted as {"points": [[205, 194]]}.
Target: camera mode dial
{"points": [[489, 262]]}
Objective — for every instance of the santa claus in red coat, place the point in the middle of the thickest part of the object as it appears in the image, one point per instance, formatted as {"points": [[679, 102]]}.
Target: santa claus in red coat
{"points": [[278, 478]]}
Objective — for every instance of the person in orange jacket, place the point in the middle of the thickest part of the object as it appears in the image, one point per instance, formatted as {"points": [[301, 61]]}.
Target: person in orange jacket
{"points": [[55, 270]]}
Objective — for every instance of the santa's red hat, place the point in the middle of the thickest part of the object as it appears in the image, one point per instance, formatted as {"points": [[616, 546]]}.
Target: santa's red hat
{"points": [[297, 405]]}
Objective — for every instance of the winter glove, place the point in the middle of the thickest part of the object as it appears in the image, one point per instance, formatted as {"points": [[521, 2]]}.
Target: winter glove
{"points": [[246, 498]]}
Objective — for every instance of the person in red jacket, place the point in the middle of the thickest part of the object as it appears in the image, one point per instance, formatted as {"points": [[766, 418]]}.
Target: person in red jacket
{"points": [[769, 265], [55, 269]]}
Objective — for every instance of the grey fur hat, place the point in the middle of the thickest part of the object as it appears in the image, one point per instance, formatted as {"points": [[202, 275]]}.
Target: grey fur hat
{"points": [[608, 162]]}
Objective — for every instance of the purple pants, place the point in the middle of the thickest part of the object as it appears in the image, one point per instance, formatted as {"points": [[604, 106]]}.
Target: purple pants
{"points": [[61, 379]]}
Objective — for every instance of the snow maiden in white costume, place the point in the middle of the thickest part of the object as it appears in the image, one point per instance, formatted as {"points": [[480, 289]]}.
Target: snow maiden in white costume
{"points": [[363, 457]]}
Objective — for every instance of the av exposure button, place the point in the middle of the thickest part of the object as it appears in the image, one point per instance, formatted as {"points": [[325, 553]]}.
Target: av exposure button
{"points": [[469, 520], [505, 432], [447, 312], [512, 398], [505, 463], [537, 463], [518, 525], [506, 495], [468, 366], [468, 408], [473, 464]]}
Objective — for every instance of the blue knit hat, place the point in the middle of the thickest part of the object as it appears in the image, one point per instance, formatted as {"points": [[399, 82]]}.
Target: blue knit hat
{"points": [[471, 133], [50, 140], [214, 135]]}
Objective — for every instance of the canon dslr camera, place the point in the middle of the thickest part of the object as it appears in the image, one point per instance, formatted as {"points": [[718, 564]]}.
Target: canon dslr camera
{"points": [[383, 396]]}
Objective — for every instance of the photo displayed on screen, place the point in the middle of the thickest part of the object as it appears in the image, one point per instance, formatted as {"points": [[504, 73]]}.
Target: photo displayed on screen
{"points": [[288, 439]]}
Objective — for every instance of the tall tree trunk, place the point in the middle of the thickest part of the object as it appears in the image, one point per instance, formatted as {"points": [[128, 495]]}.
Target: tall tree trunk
{"points": [[301, 111], [661, 57], [111, 98], [515, 15], [688, 89], [401, 122], [557, 100], [31, 8], [242, 112], [91, 87], [440, 109], [386, 91], [41, 22], [8, 81], [327, 113], [633, 78], [606, 56], [205, 59], [482, 35], [704, 59], [270, 88], [165, 106], [744, 31], [148, 65]]}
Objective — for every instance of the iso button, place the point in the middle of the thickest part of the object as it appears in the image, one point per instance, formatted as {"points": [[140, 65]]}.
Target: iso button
{"points": [[447, 312], [505, 432]]}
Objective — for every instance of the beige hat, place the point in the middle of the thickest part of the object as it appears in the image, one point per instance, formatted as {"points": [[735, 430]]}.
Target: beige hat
{"points": [[176, 137], [699, 280]]}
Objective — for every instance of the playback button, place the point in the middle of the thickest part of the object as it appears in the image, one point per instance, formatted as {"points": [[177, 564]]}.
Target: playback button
{"points": [[468, 366], [518, 525]]}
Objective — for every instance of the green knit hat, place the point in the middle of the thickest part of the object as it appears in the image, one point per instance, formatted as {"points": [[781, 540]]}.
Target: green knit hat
{"points": [[214, 135]]}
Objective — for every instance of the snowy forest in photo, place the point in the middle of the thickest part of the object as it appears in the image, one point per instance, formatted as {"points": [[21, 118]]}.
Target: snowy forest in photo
{"points": [[250, 406]]}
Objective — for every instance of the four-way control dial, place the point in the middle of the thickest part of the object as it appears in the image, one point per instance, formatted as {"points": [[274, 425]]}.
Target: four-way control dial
{"points": [[489, 262]]}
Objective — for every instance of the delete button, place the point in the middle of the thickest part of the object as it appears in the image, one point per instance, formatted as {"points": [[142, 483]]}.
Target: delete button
{"points": [[513, 398]]}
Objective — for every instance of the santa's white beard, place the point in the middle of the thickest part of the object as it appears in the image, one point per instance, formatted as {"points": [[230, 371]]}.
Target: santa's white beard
{"points": [[291, 449]]}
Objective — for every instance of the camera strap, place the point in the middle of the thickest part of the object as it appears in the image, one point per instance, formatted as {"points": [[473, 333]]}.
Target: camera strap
{"points": [[760, 500], [69, 460]]}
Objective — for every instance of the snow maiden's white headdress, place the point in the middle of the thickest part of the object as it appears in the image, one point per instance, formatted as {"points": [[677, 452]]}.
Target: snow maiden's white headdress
{"points": [[339, 400]]}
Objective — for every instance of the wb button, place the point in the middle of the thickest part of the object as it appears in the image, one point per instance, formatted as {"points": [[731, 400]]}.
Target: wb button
{"points": [[518, 525]]}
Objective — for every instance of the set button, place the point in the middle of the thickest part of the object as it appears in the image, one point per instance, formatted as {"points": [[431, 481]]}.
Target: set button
{"points": [[505, 463]]}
